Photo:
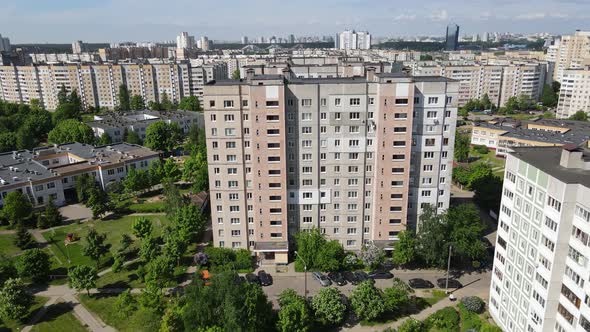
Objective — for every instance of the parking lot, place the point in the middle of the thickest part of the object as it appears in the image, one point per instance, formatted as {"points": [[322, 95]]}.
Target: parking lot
{"points": [[477, 283]]}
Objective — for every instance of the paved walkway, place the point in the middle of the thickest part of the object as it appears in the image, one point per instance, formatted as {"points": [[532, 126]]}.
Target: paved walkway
{"points": [[89, 320], [40, 313]]}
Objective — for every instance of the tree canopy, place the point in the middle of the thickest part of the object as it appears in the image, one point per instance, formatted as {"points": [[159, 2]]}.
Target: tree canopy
{"points": [[162, 136], [190, 103], [71, 130]]}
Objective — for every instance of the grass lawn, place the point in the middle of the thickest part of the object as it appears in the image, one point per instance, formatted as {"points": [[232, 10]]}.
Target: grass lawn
{"points": [[7, 246], [490, 158], [434, 296], [15, 325], [59, 317], [104, 307], [113, 228]]}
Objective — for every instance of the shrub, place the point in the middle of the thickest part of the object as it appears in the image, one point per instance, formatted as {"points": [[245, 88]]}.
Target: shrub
{"points": [[473, 304], [481, 149], [444, 319]]}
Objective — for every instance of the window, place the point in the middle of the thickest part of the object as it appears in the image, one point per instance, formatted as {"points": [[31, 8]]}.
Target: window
{"points": [[355, 101], [230, 132], [228, 117], [306, 130], [228, 103], [272, 103], [431, 114], [428, 155], [555, 204], [244, 103], [371, 101], [323, 102], [399, 129], [211, 103], [400, 116], [337, 102], [401, 101], [432, 100], [306, 102], [354, 115], [425, 193]]}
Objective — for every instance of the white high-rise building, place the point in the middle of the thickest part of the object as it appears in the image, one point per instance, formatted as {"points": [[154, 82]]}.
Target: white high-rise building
{"points": [[352, 40], [78, 47], [203, 43], [541, 264], [573, 53], [185, 41], [574, 94], [244, 40]]}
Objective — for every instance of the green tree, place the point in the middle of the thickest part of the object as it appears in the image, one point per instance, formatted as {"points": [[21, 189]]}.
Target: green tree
{"points": [[33, 263], [137, 103], [488, 192], [136, 180], [411, 325], [154, 106], [7, 269], [486, 103], [257, 309], [173, 198], [159, 270], [171, 321], [190, 104], [132, 137], [466, 231], [330, 256], [66, 111], [71, 130], [195, 170], [84, 185], [431, 237], [149, 249], [308, 245], [142, 228], [367, 301], [95, 246], [189, 221], [397, 297], [105, 139], [75, 100], [17, 207], [175, 245], [24, 138], [462, 142], [7, 141], [167, 105], [52, 214], [405, 248], [125, 243], [329, 307], [151, 297], [579, 116], [235, 75], [124, 102], [162, 136], [98, 202], [82, 277], [125, 304], [62, 95], [549, 97], [294, 315], [23, 238], [15, 300]]}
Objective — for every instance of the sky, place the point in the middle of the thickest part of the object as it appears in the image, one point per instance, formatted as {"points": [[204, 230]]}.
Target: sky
{"points": [[63, 21]]}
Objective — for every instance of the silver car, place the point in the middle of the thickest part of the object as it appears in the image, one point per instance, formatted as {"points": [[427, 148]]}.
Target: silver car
{"points": [[322, 279]]}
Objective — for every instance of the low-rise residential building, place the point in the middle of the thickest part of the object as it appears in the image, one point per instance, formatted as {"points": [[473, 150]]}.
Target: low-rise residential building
{"points": [[503, 135], [115, 124], [50, 173], [542, 259]]}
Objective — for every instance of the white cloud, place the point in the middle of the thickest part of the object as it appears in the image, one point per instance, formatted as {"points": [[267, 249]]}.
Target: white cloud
{"points": [[530, 16], [404, 17], [441, 15]]}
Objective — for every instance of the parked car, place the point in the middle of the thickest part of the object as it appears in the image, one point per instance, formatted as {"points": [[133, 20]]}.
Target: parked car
{"points": [[252, 278], [420, 283], [265, 278], [380, 275], [350, 277], [322, 279], [361, 276], [453, 283], [337, 278]]}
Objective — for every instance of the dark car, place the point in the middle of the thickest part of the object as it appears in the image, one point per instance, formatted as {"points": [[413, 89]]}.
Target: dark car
{"points": [[265, 278], [361, 276], [337, 278], [380, 275], [252, 278], [350, 277], [453, 283], [420, 283]]}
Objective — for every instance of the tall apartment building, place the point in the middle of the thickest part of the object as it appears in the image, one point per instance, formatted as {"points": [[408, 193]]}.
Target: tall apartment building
{"points": [[79, 47], [572, 52], [5, 44], [541, 265], [499, 82], [354, 157], [452, 37], [98, 85], [185, 41], [574, 94], [353, 40]]}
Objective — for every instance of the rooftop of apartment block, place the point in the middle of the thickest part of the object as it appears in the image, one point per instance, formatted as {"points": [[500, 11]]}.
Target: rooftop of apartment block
{"points": [[33, 165], [116, 120], [550, 161], [578, 132]]}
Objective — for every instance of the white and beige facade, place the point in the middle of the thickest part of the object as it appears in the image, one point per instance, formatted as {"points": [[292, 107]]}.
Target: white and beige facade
{"points": [[571, 52], [353, 157], [542, 258], [98, 84], [574, 94]]}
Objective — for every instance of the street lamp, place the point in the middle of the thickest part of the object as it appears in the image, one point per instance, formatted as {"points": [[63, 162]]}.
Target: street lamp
{"points": [[305, 273], [448, 270]]}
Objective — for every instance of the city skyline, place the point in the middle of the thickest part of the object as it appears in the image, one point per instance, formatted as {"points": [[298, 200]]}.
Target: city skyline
{"points": [[62, 21]]}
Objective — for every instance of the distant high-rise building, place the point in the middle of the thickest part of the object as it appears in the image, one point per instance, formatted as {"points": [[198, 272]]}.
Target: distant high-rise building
{"points": [[452, 42], [352, 40], [244, 39], [573, 53], [485, 37], [204, 43], [4, 44], [291, 38], [475, 37], [185, 41], [78, 47]]}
